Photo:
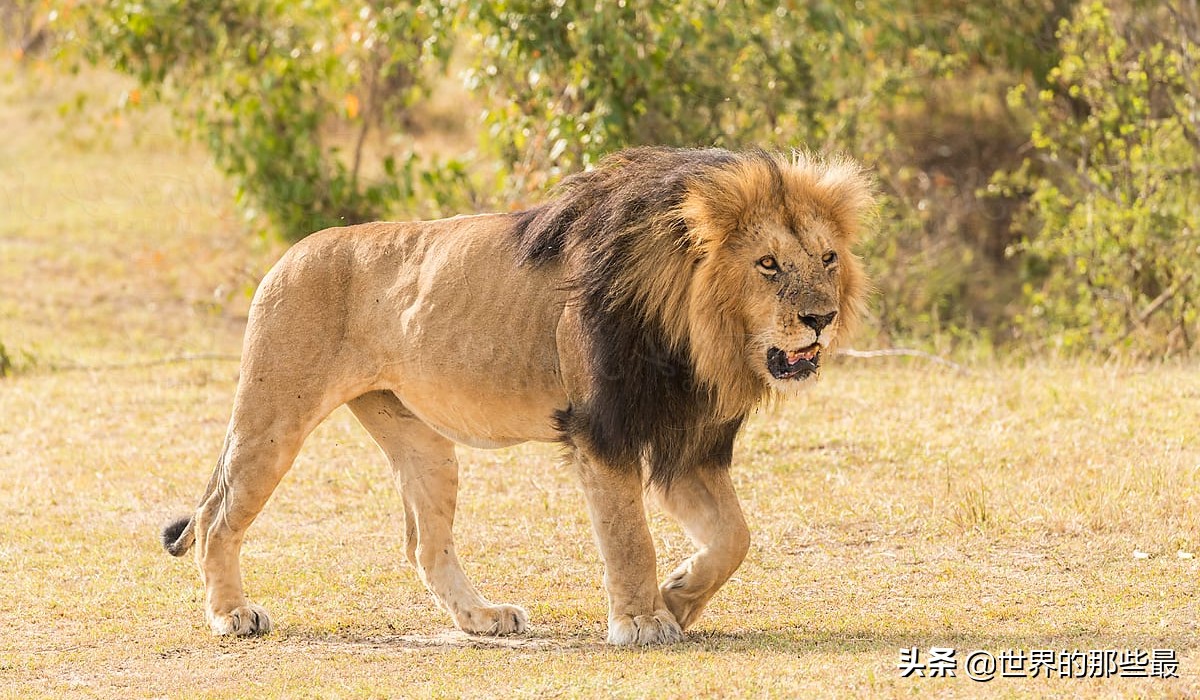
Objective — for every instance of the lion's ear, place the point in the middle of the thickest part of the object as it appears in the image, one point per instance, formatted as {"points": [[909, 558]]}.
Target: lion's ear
{"points": [[847, 197], [705, 225]]}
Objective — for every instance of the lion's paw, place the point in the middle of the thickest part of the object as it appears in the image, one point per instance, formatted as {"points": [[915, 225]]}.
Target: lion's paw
{"points": [[686, 605], [242, 621], [644, 630], [494, 620]]}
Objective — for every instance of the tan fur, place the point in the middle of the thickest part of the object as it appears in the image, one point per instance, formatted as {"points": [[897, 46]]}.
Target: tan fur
{"points": [[436, 333]]}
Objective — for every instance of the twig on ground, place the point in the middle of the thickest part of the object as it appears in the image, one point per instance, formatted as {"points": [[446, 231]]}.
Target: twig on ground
{"points": [[174, 359], [902, 352]]}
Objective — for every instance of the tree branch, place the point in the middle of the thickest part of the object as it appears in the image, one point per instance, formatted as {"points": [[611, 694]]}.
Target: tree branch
{"points": [[1163, 298], [368, 116]]}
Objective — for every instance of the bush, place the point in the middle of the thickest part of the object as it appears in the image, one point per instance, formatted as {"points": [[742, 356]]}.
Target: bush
{"points": [[567, 82], [1086, 243], [284, 95], [1111, 238]]}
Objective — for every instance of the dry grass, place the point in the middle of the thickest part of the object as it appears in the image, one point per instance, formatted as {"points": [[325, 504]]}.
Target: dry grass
{"points": [[900, 504]]}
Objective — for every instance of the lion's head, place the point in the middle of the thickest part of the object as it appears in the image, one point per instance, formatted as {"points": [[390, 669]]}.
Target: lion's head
{"points": [[705, 279], [775, 281]]}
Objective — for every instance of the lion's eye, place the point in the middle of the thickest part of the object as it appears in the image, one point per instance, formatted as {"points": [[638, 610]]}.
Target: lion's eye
{"points": [[830, 259], [767, 263]]}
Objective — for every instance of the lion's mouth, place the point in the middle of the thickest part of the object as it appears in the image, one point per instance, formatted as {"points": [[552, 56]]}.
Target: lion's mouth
{"points": [[794, 364]]}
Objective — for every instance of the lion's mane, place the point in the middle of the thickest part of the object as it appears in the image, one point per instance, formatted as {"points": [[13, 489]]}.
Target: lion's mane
{"points": [[641, 238]]}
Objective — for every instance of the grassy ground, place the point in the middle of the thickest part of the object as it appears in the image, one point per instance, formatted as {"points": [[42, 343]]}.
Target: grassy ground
{"points": [[900, 504]]}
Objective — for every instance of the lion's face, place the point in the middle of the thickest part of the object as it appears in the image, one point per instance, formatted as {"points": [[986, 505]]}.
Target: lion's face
{"points": [[792, 302], [792, 299], [774, 279]]}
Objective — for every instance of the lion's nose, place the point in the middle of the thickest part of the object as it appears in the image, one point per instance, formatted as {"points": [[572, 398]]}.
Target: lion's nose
{"points": [[818, 323]]}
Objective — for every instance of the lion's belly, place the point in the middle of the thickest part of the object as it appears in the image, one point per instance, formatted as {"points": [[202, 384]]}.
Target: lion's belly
{"points": [[471, 340], [483, 389], [483, 422]]}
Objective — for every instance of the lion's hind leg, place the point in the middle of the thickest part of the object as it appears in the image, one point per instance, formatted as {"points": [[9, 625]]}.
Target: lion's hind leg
{"points": [[426, 472], [704, 503], [272, 415], [258, 451]]}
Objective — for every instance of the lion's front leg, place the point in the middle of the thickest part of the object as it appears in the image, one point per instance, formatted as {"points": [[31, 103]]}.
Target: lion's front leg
{"points": [[636, 611], [706, 506]]}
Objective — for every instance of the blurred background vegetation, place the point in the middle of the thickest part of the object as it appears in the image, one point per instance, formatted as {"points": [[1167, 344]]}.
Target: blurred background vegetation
{"points": [[1038, 160]]}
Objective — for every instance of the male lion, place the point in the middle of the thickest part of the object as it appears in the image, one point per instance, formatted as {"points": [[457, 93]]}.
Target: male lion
{"points": [[636, 319]]}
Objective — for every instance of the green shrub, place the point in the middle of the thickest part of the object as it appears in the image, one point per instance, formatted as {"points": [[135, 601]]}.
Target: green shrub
{"points": [[566, 82], [1111, 246], [13, 362], [284, 95], [6, 362], [1087, 243]]}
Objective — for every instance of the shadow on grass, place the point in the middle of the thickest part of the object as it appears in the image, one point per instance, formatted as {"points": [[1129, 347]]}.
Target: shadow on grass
{"points": [[445, 639], [867, 641], [788, 642]]}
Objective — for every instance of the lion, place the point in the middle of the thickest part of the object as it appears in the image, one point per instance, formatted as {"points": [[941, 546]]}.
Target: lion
{"points": [[636, 318]]}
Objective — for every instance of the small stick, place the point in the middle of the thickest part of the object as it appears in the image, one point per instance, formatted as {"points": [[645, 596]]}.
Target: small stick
{"points": [[902, 352], [174, 359]]}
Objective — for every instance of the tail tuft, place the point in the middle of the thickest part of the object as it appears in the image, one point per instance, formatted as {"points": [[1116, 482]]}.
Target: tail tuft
{"points": [[177, 537]]}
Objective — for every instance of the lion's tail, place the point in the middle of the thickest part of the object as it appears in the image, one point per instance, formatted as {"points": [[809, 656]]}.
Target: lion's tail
{"points": [[177, 538]]}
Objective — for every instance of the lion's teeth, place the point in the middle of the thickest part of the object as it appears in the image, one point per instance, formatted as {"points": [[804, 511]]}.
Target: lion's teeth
{"points": [[794, 356]]}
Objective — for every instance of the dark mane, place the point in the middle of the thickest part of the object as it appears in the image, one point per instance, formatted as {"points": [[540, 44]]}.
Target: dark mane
{"points": [[646, 402], [623, 193]]}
